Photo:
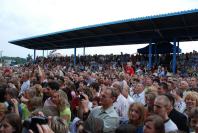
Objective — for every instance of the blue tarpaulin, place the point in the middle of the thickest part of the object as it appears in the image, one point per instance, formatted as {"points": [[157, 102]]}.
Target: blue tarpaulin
{"points": [[159, 48]]}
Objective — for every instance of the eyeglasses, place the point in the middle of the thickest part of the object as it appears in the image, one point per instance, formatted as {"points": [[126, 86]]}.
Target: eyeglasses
{"points": [[158, 106], [103, 96]]}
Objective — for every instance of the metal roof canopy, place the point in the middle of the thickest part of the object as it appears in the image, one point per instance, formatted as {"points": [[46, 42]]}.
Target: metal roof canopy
{"points": [[182, 26]]}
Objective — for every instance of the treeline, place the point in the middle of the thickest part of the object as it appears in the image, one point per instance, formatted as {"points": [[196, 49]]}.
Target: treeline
{"points": [[17, 60]]}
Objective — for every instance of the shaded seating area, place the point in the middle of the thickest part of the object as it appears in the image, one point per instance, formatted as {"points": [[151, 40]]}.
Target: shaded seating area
{"points": [[159, 48]]}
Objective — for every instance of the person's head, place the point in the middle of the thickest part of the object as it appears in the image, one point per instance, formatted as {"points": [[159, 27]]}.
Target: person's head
{"points": [[136, 113], [2, 110], [58, 125], [177, 93], [194, 119], [52, 87], [95, 87], [34, 103], [126, 129], [117, 87], [38, 88], [150, 98], [138, 88], [154, 124], [3, 87], [11, 123], [108, 96], [25, 76], [95, 102], [30, 93], [10, 93], [163, 88], [148, 81], [172, 101], [125, 91], [93, 125], [191, 100], [184, 85], [59, 99], [193, 82], [162, 106]]}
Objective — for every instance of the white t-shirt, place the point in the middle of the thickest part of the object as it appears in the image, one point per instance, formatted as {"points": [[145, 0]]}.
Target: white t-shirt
{"points": [[170, 126]]}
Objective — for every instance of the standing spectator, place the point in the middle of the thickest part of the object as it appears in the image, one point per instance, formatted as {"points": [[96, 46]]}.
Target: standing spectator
{"points": [[121, 104], [154, 124], [26, 83], [161, 107], [139, 93], [194, 119], [62, 105], [49, 91], [163, 88], [191, 100], [11, 123], [180, 105], [106, 112], [193, 84], [178, 118], [136, 116]]}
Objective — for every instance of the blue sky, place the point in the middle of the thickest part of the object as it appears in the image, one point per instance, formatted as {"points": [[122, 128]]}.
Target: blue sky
{"points": [[26, 18]]}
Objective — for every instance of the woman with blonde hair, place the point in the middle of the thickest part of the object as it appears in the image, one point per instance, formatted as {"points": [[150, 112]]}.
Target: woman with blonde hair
{"points": [[62, 105], [191, 100]]}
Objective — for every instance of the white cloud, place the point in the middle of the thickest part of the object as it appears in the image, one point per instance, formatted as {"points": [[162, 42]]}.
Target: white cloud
{"points": [[25, 18]]}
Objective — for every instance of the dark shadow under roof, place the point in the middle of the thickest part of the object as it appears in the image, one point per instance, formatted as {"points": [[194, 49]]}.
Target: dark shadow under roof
{"points": [[182, 26]]}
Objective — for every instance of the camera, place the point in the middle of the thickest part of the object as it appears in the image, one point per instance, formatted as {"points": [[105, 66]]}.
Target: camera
{"points": [[31, 123], [9, 105], [81, 97]]}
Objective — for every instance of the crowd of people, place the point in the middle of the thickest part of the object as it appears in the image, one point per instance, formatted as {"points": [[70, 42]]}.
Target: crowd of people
{"points": [[110, 94]]}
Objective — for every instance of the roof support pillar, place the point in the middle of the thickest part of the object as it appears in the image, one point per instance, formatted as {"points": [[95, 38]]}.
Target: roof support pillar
{"points": [[74, 57], [43, 53], [155, 54], [178, 48], [150, 55], [174, 57], [84, 51], [34, 54]]}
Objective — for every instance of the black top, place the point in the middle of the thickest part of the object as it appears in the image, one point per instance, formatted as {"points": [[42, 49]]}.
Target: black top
{"points": [[180, 120]]}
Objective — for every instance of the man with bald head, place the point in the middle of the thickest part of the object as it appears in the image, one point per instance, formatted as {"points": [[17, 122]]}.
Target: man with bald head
{"points": [[162, 106], [121, 104]]}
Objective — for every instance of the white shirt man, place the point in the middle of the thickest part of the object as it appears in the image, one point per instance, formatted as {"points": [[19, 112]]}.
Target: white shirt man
{"points": [[121, 106], [161, 107], [138, 93]]}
